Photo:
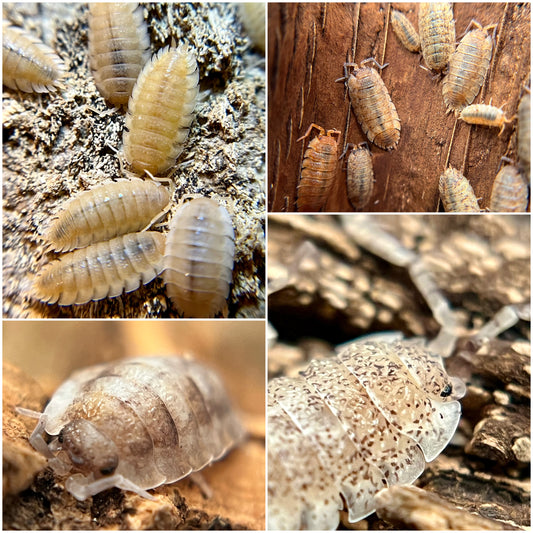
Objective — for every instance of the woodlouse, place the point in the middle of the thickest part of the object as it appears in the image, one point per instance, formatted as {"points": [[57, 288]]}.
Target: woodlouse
{"points": [[353, 425], [509, 191], [198, 261], [160, 110], [484, 115], [118, 48], [106, 211], [405, 31], [360, 176], [104, 269], [373, 106], [456, 192], [524, 133], [136, 424], [468, 67], [28, 65], [318, 169], [437, 33]]}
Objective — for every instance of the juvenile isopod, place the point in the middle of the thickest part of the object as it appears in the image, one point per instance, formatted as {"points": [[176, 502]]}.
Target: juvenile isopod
{"points": [[352, 425], [28, 65], [373, 106], [360, 176], [468, 67], [136, 424], [106, 211], [484, 115], [456, 192], [437, 33], [405, 31], [160, 110], [104, 269], [524, 133], [509, 191], [318, 169], [118, 48], [198, 263]]}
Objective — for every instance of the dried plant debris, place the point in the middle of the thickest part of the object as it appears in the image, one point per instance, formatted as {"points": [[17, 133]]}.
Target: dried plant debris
{"points": [[56, 145]]}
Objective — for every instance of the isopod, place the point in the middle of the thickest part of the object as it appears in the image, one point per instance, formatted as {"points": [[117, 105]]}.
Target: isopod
{"points": [[360, 176], [456, 192], [118, 48], [405, 31], [160, 110], [136, 424], [198, 261], [106, 211], [509, 191], [253, 17], [104, 269], [437, 33], [484, 115], [28, 65], [468, 67], [352, 425], [318, 169], [373, 106], [524, 133]]}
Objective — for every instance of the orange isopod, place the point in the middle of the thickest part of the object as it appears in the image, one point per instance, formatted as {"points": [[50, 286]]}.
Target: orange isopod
{"points": [[456, 192], [509, 191], [118, 48], [318, 169], [484, 115], [360, 176], [405, 31], [437, 33]]}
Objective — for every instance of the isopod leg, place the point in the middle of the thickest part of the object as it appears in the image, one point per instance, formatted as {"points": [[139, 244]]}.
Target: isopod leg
{"points": [[81, 487], [36, 438], [199, 480]]}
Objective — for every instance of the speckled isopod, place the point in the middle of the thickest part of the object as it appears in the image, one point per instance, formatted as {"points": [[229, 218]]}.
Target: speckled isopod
{"points": [[160, 110], [468, 67], [28, 65], [318, 169], [456, 192], [405, 31], [136, 424], [350, 426], [509, 191], [373, 106], [106, 211], [437, 33], [484, 115], [198, 261], [118, 48], [360, 176], [104, 269]]}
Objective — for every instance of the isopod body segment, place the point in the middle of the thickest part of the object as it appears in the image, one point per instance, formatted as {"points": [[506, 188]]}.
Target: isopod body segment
{"points": [[373, 106], [467, 69], [104, 269], [106, 211], [456, 192], [360, 176], [28, 65], [118, 48], [318, 169], [405, 31], [198, 263], [509, 191], [437, 33], [484, 115], [137, 424], [160, 110], [352, 425]]}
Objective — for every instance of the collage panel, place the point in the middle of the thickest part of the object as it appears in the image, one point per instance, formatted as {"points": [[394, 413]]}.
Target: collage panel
{"points": [[133, 160], [373, 107], [399, 353], [135, 405]]}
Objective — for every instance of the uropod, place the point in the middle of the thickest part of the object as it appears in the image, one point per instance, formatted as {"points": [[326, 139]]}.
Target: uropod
{"points": [[136, 424]]}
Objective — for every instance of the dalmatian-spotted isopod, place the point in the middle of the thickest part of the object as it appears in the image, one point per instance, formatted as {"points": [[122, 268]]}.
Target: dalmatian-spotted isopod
{"points": [[360, 176], [484, 115], [136, 424], [198, 263], [118, 48], [405, 31], [160, 110], [509, 191], [318, 169], [28, 65], [350, 426], [437, 33], [104, 269], [373, 106], [468, 67], [106, 211], [456, 192]]}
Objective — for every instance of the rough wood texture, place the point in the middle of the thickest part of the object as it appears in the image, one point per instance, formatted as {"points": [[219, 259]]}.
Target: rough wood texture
{"points": [[324, 289], [308, 44]]}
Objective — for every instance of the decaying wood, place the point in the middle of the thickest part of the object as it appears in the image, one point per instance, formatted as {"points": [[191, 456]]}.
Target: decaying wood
{"points": [[308, 45]]}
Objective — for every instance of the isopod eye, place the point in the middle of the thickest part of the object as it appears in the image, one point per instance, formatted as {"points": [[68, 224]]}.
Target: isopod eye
{"points": [[60, 437], [108, 470], [446, 391]]}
